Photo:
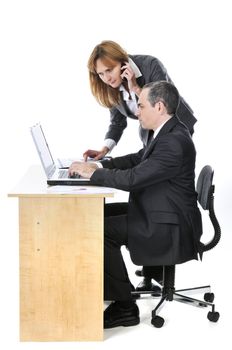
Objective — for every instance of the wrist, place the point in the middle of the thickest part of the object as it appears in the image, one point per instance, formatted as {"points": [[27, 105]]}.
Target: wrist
{"points": [[136, 89], [105, 149], [110, 144]]}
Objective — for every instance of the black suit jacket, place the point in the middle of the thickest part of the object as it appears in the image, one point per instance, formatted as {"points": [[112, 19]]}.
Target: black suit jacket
{"points": [[164, 222], [152, 70]]}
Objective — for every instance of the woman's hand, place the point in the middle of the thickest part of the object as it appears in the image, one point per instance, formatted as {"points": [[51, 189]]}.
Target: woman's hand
{"points": [[129, 75], [95, 155]]}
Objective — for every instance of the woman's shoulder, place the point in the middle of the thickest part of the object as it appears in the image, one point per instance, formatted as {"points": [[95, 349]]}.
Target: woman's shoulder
{"points": [[143, 59]]}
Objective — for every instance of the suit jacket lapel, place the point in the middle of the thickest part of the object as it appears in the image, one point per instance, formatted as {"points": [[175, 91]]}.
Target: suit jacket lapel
{"points": [[149, 148], [122, 108], [164, 130]]}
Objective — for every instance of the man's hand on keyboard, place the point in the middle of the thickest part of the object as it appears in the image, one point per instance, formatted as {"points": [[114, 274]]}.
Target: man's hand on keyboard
{"points": [[83, 169]]}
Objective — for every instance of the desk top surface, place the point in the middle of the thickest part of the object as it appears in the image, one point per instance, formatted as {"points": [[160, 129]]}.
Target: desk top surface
{"points": [[33, 184]]}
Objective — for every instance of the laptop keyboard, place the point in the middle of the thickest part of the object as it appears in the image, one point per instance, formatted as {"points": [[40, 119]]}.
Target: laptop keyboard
{"points": [[63, 174]]}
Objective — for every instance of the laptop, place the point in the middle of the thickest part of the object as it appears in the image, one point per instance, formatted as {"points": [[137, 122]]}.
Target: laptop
{"points": [[55, 175]]}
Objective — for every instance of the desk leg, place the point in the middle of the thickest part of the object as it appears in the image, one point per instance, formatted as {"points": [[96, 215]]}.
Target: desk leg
{"points": [[61, 269]]}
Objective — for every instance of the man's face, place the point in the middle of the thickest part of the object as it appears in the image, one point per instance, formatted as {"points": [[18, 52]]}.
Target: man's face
{"points": [[148, 115]]}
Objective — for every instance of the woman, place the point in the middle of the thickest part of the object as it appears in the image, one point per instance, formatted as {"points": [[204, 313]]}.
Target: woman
{"points": [[116, 79]]}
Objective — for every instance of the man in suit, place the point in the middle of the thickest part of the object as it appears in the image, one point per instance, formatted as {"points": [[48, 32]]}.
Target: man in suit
{"points": [[163, 223], [116, 80]]}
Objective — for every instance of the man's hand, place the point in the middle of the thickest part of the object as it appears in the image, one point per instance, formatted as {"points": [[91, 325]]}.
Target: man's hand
{"points": [[83, 169], [96, 155]]}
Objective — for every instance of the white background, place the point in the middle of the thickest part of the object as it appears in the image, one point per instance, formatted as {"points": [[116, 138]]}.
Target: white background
{"points": [[44, 47]]}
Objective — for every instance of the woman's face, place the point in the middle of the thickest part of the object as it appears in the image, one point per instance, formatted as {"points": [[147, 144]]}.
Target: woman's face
{"points": [[110, 74]]}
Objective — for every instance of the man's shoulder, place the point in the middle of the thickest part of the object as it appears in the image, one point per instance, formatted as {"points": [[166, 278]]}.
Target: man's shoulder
{"points": [[181, 130], [176, 130], [181, 135]]}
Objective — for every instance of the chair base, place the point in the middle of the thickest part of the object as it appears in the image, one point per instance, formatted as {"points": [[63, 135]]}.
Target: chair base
{"points": [[213, 316], [170, 294]]}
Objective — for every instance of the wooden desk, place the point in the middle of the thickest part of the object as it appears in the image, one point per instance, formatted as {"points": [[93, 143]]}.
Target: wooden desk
{"points": [[61, 261]]}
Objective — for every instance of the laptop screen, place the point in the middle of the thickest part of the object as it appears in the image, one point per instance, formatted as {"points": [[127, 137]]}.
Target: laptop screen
{"points": [[43, 149]]}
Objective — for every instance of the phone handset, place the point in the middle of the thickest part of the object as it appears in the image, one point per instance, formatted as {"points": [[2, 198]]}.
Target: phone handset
{"points": [[122, 70]]}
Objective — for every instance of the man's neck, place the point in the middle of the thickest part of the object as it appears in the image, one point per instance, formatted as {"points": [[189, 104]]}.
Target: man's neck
{"points": [[157, 129]]}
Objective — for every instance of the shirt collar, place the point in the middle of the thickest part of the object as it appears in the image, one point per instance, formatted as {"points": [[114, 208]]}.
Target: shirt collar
{"points": [[135, 68], [156, 131]]}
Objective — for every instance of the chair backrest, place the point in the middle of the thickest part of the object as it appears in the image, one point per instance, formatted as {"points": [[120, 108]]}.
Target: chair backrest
{"points": [[205, 196]]}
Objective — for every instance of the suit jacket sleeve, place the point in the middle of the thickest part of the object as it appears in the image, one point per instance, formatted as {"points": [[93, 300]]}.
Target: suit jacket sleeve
{"points": [[117, 125], [157, 70], [136, 172], [125, 162]]}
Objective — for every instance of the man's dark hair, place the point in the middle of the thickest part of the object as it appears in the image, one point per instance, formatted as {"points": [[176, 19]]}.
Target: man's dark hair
{"points": [[165, 92]]}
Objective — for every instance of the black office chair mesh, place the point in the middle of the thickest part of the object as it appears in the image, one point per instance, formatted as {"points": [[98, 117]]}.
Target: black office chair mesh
{"points": [[205, 191]]}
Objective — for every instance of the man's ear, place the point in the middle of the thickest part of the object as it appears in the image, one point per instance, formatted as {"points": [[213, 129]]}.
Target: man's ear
{"points": [[161, 107]]}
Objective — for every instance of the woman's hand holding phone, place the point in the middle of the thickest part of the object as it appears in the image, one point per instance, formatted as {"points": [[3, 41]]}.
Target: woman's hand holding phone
{"points": [[129, 76]]}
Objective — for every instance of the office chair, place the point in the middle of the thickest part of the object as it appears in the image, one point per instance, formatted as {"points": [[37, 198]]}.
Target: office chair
{"points": [[205, 192]]}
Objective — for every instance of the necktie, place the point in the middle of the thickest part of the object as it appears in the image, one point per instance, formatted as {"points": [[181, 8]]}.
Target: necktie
{"points": [[150, 137], [145, 136]]}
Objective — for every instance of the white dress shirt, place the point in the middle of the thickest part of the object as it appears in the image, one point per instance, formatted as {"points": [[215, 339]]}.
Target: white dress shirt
{"points": [[156, 131]]}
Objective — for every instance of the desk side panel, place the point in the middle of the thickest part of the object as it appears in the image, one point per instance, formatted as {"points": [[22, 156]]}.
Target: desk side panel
{"points": [[61, 269]]}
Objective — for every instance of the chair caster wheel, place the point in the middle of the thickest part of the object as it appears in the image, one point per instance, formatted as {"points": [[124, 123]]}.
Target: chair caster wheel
{"points": [[157, 321], [209, 297], [213, 316]]}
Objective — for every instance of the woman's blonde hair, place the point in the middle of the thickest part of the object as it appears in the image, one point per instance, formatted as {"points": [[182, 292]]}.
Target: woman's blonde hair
{"points": [[109, 52]]}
